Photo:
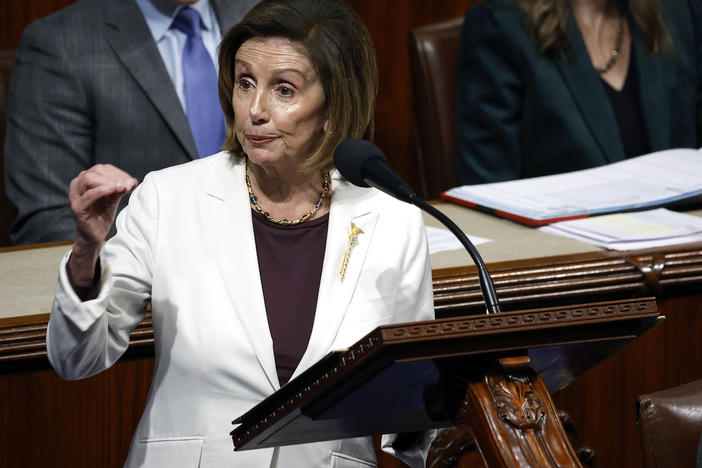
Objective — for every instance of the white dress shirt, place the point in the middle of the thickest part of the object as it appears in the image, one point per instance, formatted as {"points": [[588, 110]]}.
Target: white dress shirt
{"points": [[159, 15]]}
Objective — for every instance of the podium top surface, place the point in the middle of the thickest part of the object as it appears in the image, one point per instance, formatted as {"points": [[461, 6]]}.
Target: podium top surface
{"points": [[384, 382]]}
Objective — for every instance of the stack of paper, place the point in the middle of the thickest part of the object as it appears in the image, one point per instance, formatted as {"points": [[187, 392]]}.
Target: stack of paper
{"points": [[645, 182], [441, 240], [631, 231]]}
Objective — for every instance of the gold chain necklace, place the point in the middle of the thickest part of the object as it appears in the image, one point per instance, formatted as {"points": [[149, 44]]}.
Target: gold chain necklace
{"points": [[286, 222], [616, 52]]}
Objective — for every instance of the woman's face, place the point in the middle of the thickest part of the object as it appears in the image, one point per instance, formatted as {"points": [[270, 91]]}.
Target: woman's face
{"points": [[279, 105]]}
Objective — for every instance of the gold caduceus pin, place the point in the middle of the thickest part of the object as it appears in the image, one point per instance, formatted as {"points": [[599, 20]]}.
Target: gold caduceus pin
{"points": [[353, 234]]}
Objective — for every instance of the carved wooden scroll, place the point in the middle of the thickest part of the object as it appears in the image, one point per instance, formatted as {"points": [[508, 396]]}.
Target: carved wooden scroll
{"points": [[514, 421]]}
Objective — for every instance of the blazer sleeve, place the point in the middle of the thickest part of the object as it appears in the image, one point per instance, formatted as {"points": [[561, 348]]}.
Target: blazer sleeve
{"points": [[489, 101], [49, 137], [84, 338]]}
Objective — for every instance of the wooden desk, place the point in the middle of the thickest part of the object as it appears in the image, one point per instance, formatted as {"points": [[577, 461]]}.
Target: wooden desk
{"points": [[89, 423]]}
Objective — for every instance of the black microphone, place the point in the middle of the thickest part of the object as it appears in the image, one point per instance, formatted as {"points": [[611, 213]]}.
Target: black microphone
{"points": [[364, 165]]}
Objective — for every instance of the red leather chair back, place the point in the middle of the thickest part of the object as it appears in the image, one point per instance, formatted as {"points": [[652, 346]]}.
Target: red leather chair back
{"points": [[433, 51]]}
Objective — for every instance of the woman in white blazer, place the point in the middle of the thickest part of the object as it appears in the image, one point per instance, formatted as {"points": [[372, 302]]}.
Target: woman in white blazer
{"points": [[216, 245]]}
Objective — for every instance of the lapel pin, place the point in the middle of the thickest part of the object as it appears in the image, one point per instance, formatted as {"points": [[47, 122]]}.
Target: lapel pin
{"points": [[353, 234]]}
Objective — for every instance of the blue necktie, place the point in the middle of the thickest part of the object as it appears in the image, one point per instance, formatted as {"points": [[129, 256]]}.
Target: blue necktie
{"points": [[200, 83]]}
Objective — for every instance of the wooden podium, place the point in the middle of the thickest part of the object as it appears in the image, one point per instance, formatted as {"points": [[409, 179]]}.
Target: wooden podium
{"points": [[492, 372]]}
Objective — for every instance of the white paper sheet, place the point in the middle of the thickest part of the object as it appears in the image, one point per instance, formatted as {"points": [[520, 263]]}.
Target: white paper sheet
{"points": [[441, 240], [631, 231]]}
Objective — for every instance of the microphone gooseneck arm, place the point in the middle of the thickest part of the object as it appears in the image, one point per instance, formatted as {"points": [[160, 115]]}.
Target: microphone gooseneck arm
{"points": [[364, 165], [380, 176], [492, 304]]}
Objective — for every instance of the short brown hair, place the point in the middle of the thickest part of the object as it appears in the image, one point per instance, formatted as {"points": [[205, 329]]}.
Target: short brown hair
{"points": [[337, 43], [547, 24]]}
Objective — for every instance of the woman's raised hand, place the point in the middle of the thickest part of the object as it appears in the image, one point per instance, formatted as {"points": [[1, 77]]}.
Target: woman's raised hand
{"points": [[94, 195]]}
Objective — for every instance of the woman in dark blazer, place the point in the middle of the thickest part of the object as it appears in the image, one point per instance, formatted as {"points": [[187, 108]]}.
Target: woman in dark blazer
{"points": [[550, 86]]}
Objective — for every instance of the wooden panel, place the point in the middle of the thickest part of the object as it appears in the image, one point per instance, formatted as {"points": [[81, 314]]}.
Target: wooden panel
{"points": [[46, 421], [601, 403], [35, 401], [572, 279], [23, 342]]}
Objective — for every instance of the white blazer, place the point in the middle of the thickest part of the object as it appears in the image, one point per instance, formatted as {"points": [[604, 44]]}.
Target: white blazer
{"points": [[185, 243]]}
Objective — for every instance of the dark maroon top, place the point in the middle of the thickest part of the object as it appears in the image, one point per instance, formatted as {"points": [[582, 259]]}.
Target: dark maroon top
{"points": [[290, 261]]}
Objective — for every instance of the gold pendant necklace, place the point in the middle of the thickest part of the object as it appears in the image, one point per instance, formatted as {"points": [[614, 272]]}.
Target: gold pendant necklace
{"points": [[286, 222], [616, 52]]}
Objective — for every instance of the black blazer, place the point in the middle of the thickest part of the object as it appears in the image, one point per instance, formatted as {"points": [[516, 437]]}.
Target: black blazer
{"points": [[522, 114]]}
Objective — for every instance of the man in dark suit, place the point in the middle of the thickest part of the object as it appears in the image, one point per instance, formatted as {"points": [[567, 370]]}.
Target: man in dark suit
{"points": [[96, 83]]}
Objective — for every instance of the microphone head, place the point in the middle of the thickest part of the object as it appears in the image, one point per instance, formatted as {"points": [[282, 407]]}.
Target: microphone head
{"points": [[351, 157]]}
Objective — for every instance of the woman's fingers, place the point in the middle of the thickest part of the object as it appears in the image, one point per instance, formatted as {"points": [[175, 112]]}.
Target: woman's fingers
{"points": [[107, 176], [103, 194], [94, 195]]}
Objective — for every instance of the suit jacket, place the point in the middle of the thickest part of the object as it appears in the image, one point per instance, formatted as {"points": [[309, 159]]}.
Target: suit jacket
{"points": [[522, 114], [89, 87], [185, 242]]}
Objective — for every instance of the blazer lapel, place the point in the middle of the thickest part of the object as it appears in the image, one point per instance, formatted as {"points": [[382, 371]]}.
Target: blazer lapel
{"points": [[590, 96], [335, 293], [131, 40], [652, 92], [226, 218]]}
